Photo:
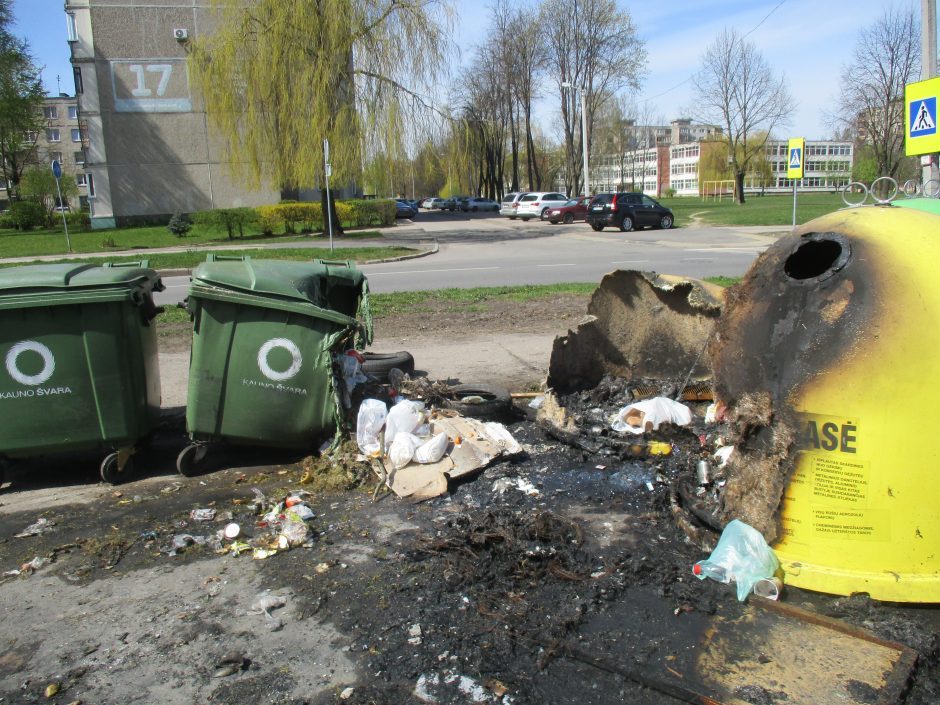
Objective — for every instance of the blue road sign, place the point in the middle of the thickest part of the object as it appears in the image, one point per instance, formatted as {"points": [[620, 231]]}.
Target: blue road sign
{"points": [[923, 114], [56, 168]]}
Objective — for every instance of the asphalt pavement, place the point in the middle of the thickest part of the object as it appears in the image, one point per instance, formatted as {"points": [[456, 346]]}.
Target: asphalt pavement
{"points": [[476, 249]]}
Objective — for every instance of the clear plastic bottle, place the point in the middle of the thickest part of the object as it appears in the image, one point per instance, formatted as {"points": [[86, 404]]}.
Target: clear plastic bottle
{"points": [[706, 569]]}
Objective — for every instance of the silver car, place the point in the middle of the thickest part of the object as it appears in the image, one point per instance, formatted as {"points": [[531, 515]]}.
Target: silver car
{"points": [[510, 205], [533, 205]]}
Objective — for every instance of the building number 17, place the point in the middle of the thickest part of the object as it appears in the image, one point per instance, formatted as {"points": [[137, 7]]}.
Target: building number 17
{"points": [[141, 91]]}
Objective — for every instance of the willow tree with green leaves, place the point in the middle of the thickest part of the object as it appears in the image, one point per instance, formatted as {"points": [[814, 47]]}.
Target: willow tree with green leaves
{"points": [[280, 76]]}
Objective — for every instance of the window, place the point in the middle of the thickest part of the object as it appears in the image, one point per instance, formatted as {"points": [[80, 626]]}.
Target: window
{"points": [[55, 156], [70, 27], [79, 157], [29, 136], [73, 112], [81, 179], [52, 135], [91, 186], [49, 112], [76, 135], [77, 73]]}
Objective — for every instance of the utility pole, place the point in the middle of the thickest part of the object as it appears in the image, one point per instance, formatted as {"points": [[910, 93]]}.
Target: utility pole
{"points": [[584, 140], [928, 62]]}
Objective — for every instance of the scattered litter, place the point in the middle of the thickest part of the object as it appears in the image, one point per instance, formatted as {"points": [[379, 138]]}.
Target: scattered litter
{"points": [[52, 690], [414, 635], [347, 693], [741, 556], [769, 588], [202, 514], [230, 664], [649, 415], [452, 687], [518, 483], [321, 568], [266, 603], [723, 455], [405, 416], [537, 402], [432, 450], [232, 531], [40, 526]]}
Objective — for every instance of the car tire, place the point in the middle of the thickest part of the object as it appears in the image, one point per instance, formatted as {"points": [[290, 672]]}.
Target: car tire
{"points": [[665, 222], [512, 217], [542, 214], [378, 364], [493, 402], [596, 227], [626, 224], [569, 218]]}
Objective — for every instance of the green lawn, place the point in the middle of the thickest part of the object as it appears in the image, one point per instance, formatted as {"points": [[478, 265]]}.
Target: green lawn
{"points": [[470, 299], [757, 210], [189, 259], [14, 243]]}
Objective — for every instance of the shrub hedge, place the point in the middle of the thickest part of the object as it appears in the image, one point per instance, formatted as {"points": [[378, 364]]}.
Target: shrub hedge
{"points": [[307, 217]]}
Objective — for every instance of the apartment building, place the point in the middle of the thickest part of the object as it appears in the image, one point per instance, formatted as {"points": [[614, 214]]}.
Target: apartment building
{"points": [[148, 148]]}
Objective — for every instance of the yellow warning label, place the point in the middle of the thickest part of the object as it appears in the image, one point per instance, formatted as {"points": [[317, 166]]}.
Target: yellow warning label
{"points": [[852, 524]]}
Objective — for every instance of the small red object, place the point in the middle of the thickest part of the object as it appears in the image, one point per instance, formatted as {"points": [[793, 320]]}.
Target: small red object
{"points": [[356, 354], [696, 569]]}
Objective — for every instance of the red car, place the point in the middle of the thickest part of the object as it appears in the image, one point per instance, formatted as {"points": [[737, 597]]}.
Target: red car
{"points": [[575, 209]]}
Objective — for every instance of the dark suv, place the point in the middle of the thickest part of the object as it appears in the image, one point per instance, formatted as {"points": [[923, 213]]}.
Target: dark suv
{"points": [[627, 211]]}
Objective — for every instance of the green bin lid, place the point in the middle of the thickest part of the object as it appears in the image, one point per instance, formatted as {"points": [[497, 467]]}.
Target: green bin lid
{"points": [[313, 282], [930, 205], [72, 276]]}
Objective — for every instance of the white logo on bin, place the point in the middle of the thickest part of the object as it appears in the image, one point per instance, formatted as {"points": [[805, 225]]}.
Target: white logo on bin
{"points": [[48, 362], [272, 374]]}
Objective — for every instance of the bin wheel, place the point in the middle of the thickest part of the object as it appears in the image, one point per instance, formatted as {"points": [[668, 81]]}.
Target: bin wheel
{"points": [[117, 467], [189, 459]]}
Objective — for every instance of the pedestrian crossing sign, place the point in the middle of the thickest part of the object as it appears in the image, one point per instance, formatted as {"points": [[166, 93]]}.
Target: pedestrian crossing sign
{"points": [[795, 151], [920, 99]]}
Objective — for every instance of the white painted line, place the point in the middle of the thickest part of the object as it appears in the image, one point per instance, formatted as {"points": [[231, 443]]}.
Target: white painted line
{"points": [[630, 261], [556, 265], [432, 271], [733, 250]]}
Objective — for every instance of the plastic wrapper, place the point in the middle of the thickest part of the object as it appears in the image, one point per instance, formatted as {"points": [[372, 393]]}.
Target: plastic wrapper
{"points": [[402, 450], [432, 450], [741, 556], [650, 414], [404, 417], [371, 418]]}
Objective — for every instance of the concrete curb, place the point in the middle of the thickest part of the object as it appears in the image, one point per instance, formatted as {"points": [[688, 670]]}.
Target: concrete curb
{"points": [[426, 253]]}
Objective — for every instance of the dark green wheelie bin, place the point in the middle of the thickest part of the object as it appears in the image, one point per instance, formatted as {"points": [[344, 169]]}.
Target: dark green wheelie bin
{"points": [[80, 370], [261, 370]]}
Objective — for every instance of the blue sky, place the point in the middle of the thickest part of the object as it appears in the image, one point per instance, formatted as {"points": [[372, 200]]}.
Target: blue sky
{"points": [[809, 41]]}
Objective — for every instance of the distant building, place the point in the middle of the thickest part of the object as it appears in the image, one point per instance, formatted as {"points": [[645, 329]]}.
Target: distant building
{"points": [[148, 148]]}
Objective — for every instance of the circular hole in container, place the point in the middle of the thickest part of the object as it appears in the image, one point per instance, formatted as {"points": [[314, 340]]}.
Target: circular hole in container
{"points": [[813, 259]]}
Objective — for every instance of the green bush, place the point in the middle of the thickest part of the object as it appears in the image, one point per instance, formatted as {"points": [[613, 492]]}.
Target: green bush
{"points": [[7, 222], [78, 221], [26, 215], [669, 193], [288, 216], [231, 219], [179, 224]]}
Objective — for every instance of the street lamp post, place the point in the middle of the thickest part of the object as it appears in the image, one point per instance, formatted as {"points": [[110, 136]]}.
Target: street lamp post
{"points": [[584, 141]]}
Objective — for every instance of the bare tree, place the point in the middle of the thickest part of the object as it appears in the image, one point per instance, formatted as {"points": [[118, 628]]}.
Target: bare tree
{"points": [[526, 56], [871, 103], [737, 89], [593, 47]]}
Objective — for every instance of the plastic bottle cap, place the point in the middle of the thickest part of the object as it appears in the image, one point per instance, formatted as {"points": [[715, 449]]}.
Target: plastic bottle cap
{"points": [[696, 569]]}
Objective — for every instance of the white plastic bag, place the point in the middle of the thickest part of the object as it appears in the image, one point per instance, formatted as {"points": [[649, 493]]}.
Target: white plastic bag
{"points": [[741, 555], [655, 412], [404, 417], [402, 450], [371, 418], [433, 450], [351, 371]]}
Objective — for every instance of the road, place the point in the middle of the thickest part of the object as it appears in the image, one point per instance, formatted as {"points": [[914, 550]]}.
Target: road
{"points": [[483, 250]]}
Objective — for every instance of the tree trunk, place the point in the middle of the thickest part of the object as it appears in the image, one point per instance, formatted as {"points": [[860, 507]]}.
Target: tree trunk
{"points": [[514, 146], [333, 220], [739, 185]]}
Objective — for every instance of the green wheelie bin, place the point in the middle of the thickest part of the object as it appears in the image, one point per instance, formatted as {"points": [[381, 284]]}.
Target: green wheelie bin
{"points": [[79, 351], [265, 333]]}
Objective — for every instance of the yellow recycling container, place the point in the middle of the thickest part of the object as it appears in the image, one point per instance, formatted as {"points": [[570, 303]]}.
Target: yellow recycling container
{"points": [[826, 356], [861, 512]]}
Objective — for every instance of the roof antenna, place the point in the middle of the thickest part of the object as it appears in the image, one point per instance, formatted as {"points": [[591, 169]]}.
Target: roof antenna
{"points": [[58, 87]]}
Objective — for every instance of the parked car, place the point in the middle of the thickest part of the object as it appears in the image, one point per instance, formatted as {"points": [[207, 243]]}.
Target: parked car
{"points": [[575, 209], [433, 203], [628, 211], [510, 204], [532, 205], [425, 202], [448, 204], [405, 210], [479, 204]]}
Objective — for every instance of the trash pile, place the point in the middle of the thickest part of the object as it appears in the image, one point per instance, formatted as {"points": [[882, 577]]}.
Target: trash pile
{"points": [[416, 450], [277, 526]]}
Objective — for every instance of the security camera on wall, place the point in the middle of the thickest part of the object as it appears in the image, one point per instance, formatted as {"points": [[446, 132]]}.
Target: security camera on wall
{"points": [[181, 34]]}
